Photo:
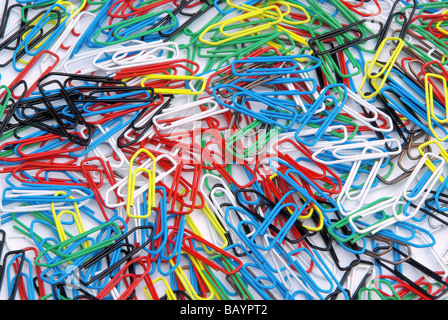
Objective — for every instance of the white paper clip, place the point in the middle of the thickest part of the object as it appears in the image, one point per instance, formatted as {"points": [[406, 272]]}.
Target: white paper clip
{"points": [[136, 55], [356, 196], [366, 121], [40, 207], [366, 150], [58, 47], [188, 113]]}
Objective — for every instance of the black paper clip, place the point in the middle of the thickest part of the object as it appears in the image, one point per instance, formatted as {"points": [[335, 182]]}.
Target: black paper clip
{"points": [[353, 27]]}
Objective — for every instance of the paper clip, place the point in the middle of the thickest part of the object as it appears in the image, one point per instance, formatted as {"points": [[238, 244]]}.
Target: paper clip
{"points": [[441, 152], [323, 269], [306, 118], [27, 282], [116, 265], [120, 189], [269, 19], [373, 112], [18, 259], [257, 276], [59, 47], [135, 55], [75, 214], [430, 102], [180, 116], [197, 287], [385, 70], [354, 195], [174, 78], [126, 30], [41, 198], [151, 184], [368, 150], [217, 227], [59, 249], [49, 35], [134, 279], [337, 34]]}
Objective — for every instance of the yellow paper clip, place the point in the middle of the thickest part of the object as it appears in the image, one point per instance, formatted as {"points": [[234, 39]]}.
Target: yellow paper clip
{"points": [[385, 70], [151, 184], [262, 13], [175, 77], [290, 5], [279, 27], [76, 217], [430, 103], [439, 24], [442, 153], [73, 12]]}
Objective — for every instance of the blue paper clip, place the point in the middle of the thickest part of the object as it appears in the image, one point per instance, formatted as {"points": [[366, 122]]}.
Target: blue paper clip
{"points": [[414, 108], [160, 223], [323, 268], [265, 281], [55, 8], [305, 119], [175, 250], [293, 69]]}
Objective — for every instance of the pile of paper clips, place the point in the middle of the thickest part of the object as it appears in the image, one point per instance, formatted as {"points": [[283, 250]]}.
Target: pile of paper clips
{"points": [[223, 150]]}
